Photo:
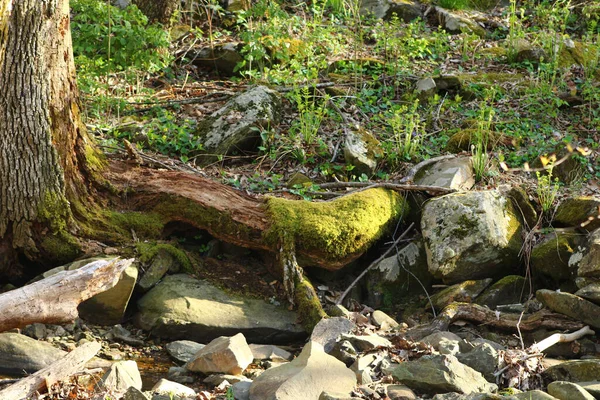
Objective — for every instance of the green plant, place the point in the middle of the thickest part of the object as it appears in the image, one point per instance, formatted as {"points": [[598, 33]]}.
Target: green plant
{"points": [[481, 137], [311, 111], [516, 31], [546, 188], [408, 132]]}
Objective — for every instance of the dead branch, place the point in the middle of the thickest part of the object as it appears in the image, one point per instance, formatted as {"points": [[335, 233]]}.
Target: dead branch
{"points": [[46, 377], [561, 338], [387, 185], [54, 300]]}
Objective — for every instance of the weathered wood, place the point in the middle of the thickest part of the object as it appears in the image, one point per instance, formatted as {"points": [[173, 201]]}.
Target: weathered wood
{"points": [[561, 338], [45, 378], [506, 321], [54, 300]]}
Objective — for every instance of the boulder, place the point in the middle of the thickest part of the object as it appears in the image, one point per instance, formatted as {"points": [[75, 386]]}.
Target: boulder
{"points": [[162, 263], [241, 390], [183, 307], [108, 308], [441, 374], [269, 352], [574, 371], [173, 389], [592, 387], [445, 342], [328, 330], [454, 173], [405, 10], [221, 57], [362, 150], [22, 355], [229, 355], [121, 376], [306, 377], [134, 394], [508, 290], [570, 305], [483, 358], [183, 350], [577, 210], [568, 391], [590, 292], [399, 392], [400, 276], [589, 264], [471, 235], [233, 127], [366, 342], [534, 395], [383, 321], [464, 292], [550, 257]]}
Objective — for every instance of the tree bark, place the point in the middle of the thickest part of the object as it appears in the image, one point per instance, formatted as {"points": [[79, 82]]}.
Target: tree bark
{"points": [[60, 370], [54, 300], [157, 10], [44, 147]]}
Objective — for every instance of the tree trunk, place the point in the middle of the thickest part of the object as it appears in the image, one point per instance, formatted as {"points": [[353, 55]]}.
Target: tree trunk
{"points": [[44, 147], [157, 10]]}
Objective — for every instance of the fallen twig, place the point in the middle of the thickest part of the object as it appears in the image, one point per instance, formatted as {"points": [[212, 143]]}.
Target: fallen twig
{"points": [[387, 185], [373, 264]]}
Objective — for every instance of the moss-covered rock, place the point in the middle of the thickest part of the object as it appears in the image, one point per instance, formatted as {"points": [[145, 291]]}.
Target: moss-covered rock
{"points": [[465, 138], [509, 290], [464, 292], [574, 370], [570, 305], [589, 265], [455, 173], [471, 235], [454, 22], [362, 150], [338, 230], [550, 257], [581, 212], [405, 10]]}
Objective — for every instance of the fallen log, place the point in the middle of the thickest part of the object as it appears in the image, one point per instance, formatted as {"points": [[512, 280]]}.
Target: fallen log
{"points": [[54, 300], [45, 378]]}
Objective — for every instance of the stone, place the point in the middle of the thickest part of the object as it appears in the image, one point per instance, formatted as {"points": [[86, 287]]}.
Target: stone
{"points": [[183, 350], [134, 393], [180, 375], [241, 390], [592, 387], [162, 263], [525, 51], [534, 395], [232, 127], [108, 308], [550, 257], [483, 358], [590, 292], [306, 377], [455, 23], [36, 331], [425, 88], [362, 150], [441, 374], [269, 352], [399, 277], [568, 391], [570, 305], [444, 340], [174, 389], [471, 235], [405, 10], [454, 173], [574, 371], [21, 355], [338, 310], [222, 57], [217, 379], [366, 342], [121, 376], [328, 330], [383, 321], [326, 395], [230, 355], [399, 392], [589, 264], [577, 210], [345, 352], [181, 307], [465, 292], [364, 366], [508, 290]]}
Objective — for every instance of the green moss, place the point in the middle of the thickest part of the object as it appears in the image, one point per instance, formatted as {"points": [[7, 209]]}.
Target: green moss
{"points": [[462, 140], [310, 310], [60, 248], [577, 210], [464, 226], [551, 257], [335, 229], [54, 211], [147, 252], [147, 225]]}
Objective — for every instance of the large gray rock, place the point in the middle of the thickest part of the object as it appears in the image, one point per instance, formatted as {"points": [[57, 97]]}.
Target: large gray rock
{"points": [[181, 307], [183, 350], [441, 374], [406, 10], [454, 173], [577, 210], [589, 266], [232, 128], [456, 23], [222, 57], [21, 355], [508, 290], [574, 371], [568, 391], [550, 257], [400, 276], [173, 389], [590, 292], [269, 352], [306, 377], [328, 330], [229, 355], [471, 235], [483, 358], [162, 263], [464, 292], [108, 308], [570, 305], [121, 376]]}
